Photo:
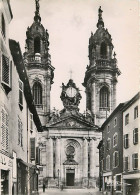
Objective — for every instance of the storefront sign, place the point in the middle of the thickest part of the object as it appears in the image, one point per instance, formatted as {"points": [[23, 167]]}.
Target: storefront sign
{"points": [[5, 160]]}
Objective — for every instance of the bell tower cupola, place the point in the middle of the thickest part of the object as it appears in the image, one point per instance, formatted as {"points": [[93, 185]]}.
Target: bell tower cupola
{"points": [[38, 65], [101, 74]]}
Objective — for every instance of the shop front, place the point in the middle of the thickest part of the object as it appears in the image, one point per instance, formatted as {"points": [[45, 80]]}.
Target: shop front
{"points": [[107, 183], [131, 184], [5, 174], [27, 178]]}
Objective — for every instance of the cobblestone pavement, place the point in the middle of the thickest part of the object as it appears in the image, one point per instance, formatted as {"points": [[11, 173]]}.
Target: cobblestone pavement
{"points": [[71, 192]]}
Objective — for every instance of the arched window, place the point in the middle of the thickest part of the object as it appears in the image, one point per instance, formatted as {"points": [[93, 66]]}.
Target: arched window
{"points": [[104, 97], [37, 93], [103, 50], [37, 45], [3, 25]]}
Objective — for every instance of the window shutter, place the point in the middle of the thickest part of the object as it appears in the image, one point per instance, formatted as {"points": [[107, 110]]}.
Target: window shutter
{"points": [[37, 156], [124, 164], [4, 130], [7, 137], [136, 135], [32, 148], [20, 92], [5, 70]]}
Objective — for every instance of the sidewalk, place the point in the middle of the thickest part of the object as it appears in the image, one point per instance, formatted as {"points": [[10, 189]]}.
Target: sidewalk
{"points": [[70, 191]]}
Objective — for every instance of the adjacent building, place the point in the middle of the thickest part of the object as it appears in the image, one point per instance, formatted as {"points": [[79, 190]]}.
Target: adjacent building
{"points": [[119, 158], [6, 160], [19, 121], [111, 150], [131, 146]]}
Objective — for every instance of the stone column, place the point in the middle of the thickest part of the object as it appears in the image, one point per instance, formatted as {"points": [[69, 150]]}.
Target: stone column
{"points": [[93, 97], [57, 159], [92, 158], [114, 96], [48, 88], [85, 158], [50, 165]]}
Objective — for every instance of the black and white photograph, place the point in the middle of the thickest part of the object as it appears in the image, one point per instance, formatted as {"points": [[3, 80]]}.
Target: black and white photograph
{"points": [[69, 97]]}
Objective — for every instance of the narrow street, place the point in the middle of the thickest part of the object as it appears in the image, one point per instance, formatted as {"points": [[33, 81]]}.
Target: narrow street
{"points": [[71, 192]]}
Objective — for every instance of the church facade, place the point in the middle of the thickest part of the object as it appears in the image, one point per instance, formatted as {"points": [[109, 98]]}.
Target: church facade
{"points": [[68, 143]]}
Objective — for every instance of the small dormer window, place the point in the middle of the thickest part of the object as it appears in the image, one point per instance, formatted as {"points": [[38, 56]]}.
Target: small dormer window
{"points": [[37, 45]]}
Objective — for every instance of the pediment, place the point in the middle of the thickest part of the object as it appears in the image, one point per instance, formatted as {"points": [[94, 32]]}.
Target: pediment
{"points": [[71, 122]]}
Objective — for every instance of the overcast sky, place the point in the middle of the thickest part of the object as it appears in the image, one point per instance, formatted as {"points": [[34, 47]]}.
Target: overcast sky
{"points": [[69, 23]]}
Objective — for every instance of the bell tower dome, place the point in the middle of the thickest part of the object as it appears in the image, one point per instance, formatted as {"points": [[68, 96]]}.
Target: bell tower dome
{"points": [[38, 65], [101, 74]]}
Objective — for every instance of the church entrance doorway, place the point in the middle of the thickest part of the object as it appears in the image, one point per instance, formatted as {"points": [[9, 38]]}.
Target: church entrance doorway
{"points": [[70, 175]]}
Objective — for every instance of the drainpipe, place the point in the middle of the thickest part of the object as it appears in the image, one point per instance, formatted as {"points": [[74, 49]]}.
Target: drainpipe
{"points": [[28, 182]]}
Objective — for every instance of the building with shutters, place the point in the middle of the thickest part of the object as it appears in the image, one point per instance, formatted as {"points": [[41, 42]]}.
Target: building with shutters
{"points": [[5, 103], [119, 150], [25, 125], [131, 146], [111, 153], [19, 121]]}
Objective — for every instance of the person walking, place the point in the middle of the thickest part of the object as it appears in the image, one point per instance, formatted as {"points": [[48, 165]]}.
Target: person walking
{"points": [[44, 187]]}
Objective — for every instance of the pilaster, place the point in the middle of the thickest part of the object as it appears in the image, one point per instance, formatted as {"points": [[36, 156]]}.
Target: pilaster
{"points": [[85, 158], [57, 166], [50, 165], [92, 158]]}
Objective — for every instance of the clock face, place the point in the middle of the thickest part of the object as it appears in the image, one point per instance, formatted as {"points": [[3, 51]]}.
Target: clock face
{"points": [[71, 92]]}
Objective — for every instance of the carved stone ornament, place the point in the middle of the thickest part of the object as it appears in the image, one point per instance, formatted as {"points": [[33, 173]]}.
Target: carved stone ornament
{"points": [[70, 95]]}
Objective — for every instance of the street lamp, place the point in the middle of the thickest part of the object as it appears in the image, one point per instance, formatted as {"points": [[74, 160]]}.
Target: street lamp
{"points": [[58, 177]]}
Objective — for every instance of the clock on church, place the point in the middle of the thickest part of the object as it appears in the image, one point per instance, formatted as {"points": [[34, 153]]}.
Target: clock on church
{"points": [[70, 95], [71, 92]]}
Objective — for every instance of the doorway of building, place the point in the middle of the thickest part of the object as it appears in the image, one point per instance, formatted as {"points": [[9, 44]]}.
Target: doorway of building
{"points": [[70, 176]]}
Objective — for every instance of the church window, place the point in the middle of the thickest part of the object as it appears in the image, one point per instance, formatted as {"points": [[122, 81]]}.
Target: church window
{"points": [[3, 25], [104, 97], [103, 50], [37, 93], [37, 45]]}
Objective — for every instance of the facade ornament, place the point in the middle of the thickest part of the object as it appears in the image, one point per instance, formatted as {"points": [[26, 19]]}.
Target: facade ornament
{"points": [[37, 7], [100, 19], [70, 95]]}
